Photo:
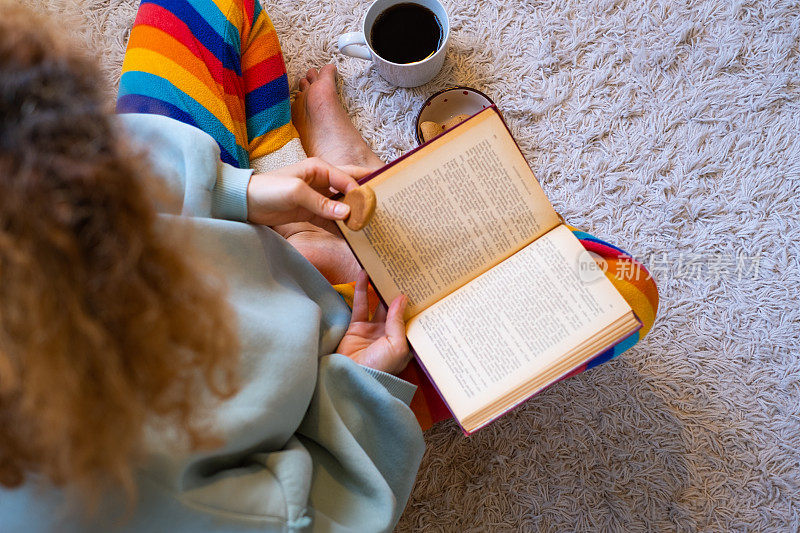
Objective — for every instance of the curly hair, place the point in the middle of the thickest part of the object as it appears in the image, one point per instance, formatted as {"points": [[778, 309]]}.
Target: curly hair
{"points": [[107, 321]]}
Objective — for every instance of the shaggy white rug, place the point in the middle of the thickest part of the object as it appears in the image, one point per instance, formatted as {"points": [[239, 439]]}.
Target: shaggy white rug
{"points": [[671, 128]]}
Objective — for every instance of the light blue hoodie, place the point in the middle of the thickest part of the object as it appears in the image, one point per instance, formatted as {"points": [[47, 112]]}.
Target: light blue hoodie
{"points": [[312, 441]]}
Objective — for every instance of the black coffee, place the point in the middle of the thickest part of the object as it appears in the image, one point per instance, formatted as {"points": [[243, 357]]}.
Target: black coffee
{"points": [[406, 33]]}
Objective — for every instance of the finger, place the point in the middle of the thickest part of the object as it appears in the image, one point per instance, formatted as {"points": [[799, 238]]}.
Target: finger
{"points": [[380, 314], [318, 204], [341, 181], [356, 171], [395, 323], [360, 299], [320, 174]]}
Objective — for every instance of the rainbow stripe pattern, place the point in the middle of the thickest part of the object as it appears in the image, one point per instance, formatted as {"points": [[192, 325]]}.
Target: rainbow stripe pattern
{"points": [[629, 276], [213, 64], [634, 283]]}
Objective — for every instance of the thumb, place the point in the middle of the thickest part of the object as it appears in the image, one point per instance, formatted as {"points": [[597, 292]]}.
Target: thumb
{"points": [[395, 323], [395, 333], [320, 205]]}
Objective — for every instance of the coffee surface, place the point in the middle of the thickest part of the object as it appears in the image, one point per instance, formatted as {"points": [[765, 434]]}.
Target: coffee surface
{"points": [[406, 33]]}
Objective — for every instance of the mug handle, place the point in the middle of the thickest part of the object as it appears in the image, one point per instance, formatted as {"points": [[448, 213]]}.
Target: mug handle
{"points": [[356, 43]]}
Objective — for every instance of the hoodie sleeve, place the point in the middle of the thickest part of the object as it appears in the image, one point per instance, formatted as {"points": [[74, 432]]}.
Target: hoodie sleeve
{"points": [[365, 445], [187, 159]]}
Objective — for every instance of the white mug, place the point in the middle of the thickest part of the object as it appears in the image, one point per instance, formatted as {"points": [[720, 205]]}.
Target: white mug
{"points": [[357, 44]]}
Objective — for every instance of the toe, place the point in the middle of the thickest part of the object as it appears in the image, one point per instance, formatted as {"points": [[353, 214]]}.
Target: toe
{"points": [[304, 83], [328, 70], [312, 74]]}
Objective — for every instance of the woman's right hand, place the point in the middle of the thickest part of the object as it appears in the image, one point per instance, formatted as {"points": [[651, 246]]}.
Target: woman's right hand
{"points": [[298, 193]]}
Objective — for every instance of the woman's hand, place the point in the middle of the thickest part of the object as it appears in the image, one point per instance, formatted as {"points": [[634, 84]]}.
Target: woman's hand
{"points": [[379, 343], [298, 193]]}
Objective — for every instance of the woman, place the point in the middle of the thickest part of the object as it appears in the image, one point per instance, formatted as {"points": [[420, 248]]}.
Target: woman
{"points": [[135, 390]]}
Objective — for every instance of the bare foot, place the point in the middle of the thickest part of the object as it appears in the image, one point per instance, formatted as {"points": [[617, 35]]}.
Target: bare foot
{"points": [[324, 127], [326, 132]]}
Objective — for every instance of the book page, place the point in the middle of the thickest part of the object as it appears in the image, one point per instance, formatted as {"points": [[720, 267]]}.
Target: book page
{"points": [[450, 212], [514, 321]]}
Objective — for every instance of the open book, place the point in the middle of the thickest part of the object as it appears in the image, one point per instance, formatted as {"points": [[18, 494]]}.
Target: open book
{"points": [[503, 299]]}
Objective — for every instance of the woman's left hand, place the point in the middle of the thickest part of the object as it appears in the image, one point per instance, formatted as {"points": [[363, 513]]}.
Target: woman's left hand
{"points": [[379, 343], [298, 193]]}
